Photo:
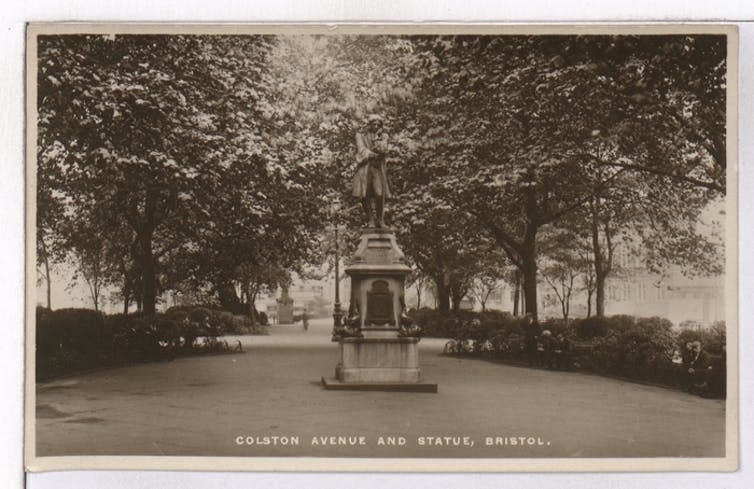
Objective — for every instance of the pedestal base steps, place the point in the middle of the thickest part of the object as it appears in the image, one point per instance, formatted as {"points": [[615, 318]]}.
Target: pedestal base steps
{"points": [[336, 385]]}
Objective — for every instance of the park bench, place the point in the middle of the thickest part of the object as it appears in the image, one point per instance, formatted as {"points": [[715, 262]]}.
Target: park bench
{"points": [[578, 352], [581, 348]]}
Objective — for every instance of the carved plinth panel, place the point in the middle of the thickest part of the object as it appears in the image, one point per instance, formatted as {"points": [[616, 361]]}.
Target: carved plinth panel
{"points": [[380, 304]]}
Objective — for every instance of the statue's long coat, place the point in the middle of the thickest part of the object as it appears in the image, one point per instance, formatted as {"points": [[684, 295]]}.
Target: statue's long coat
{"points": [[370, 171]]}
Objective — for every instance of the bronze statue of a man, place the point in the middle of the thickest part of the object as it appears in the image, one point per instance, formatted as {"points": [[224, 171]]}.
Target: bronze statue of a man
{"points": [[370, 182]]}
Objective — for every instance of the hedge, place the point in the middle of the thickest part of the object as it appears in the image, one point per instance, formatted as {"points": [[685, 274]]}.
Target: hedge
{"points": [[73, 340], [640, 349], [70, 339]]}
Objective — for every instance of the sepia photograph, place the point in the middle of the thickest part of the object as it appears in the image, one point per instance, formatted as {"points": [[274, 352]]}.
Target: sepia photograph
{"points": [[415, 248]]}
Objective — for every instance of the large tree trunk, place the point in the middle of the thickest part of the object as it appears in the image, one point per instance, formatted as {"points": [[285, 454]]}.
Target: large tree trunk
{"points": [[528, 253], [517, 293], [443, 295], [126, 301], [47, 273], [529, 270], [589, 294], [246, 293], [530, 286], [566, 305], [456, 296], [602, 262], [252, 298], [600, 295], [148, 273], [126, 291], [49, 282], [145, 256], [149, 286]]}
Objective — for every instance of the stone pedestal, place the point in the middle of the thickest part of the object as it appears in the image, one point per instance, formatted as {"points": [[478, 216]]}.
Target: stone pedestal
{"points": [[378, 360], [378, 348]]}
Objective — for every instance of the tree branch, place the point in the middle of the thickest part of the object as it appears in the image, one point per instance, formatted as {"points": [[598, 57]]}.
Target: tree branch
{"points": [[658, 171]]}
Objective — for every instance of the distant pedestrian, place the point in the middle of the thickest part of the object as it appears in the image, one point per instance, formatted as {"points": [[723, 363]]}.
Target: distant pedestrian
{"points": [[562, 352], [305, 320], [698, 369], [531, 333], [687, 355], [546, 349]]}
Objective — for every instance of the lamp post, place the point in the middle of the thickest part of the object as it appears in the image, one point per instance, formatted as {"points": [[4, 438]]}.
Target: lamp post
{"points": [[337, 311]]}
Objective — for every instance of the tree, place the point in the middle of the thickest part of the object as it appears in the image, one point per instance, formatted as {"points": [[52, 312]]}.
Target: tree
{"points": [[92, 267], [50, 247], [327, 89], [208, 161], [562, 263], [668, 106], [254, 280], [134, 129], [358, 82], [661, 225], [441, 247], [481, 289], [492, 270], [516, 280], [521, 132], [510, 186], [661, 131], [588, 277], [150, 132], [418, 281]]}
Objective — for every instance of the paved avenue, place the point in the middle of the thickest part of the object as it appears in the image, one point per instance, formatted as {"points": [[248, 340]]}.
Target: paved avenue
{"points": [[268, 401]]}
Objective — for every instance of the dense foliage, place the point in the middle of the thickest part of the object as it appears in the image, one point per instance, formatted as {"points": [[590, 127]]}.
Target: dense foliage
{"points": [[73, 340], [158, 167], [221, 164]]}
